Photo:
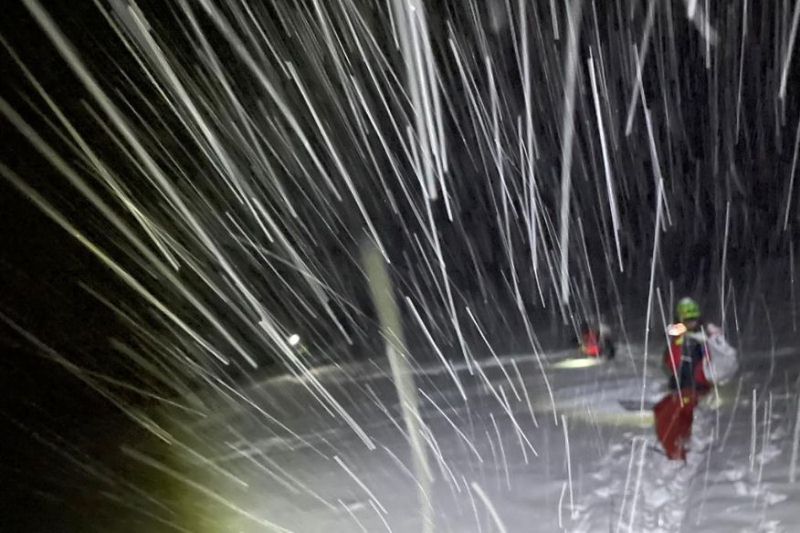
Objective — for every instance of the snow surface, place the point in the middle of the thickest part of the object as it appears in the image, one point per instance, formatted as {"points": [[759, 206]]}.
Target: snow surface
{"points": [[603, 471]]}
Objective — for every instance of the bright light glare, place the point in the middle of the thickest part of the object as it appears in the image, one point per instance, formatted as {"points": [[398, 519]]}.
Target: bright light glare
{"points": [[676, 330], [294, 340], [578, 362]]}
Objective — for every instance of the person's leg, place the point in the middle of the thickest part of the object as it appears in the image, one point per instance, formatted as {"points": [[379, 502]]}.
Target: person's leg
{"points": [[673, 420], [666, 414]]}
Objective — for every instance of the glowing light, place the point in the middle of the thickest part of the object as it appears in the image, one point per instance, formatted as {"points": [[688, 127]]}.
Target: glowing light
{"points": [[293, 340], [578, 362], [676, 330]]}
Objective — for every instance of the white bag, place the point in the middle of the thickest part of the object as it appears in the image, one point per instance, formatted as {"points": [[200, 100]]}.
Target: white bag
{"points": [[721, 363]]}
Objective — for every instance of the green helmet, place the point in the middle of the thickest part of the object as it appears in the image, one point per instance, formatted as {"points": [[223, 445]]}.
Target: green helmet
{"points": [[688, 309]]}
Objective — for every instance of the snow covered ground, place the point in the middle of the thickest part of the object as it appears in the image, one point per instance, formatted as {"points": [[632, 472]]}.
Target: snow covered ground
{"points": [[511, 458]]}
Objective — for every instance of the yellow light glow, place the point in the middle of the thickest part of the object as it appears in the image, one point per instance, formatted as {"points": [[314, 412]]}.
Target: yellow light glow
{"points": [[637, 419]]}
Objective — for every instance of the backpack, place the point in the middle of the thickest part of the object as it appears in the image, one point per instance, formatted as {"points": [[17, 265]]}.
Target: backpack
{"points": [[721, 361]]}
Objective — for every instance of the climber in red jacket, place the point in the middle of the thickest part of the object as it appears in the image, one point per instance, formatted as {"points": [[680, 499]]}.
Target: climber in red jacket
{"points": [[683, 360]]}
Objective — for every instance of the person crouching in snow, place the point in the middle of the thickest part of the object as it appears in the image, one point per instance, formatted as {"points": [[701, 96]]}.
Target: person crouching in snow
{"points": [[688, 361], [596, 339]]}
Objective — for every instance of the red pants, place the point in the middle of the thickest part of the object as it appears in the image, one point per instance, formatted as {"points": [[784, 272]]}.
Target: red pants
{"points": [[673, 418]]}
